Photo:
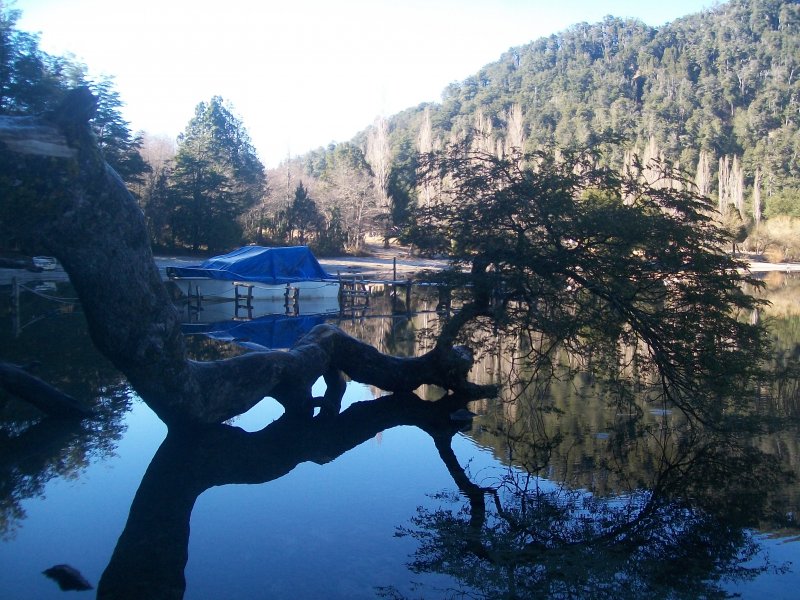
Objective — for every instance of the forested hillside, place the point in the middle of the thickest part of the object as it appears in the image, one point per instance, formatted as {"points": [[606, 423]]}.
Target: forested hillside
{"points": [[724, 80], [717, 92]]}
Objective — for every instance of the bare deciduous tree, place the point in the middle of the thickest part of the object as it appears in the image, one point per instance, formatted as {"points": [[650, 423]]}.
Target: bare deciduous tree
{"points": [[703, 177], [349, 186], [515, 129], [379, 158], [757, 197], [426, 145], [153, 190]]}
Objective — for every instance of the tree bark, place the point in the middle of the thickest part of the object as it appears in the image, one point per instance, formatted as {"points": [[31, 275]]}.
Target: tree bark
{"points": [[66, 201]]}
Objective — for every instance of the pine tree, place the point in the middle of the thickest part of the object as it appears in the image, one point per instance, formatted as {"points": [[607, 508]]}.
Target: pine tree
{"points": [[217, 177]]}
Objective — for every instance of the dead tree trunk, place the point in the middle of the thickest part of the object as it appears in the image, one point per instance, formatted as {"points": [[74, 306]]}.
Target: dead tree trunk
{"points": [[64, 200]]}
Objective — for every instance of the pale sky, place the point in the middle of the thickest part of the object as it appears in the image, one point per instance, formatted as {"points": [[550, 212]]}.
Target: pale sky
{"points": [[301, 73]]}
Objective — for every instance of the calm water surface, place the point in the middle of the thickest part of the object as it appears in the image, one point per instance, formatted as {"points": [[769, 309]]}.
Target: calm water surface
{"points": [[388, 517]]}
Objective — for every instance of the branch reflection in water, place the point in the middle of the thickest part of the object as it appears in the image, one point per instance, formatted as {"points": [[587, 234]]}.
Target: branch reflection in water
{"points": [[611, 492], [684, 534], [151, 554], [651, 505], [681, 533], [608, 494]]}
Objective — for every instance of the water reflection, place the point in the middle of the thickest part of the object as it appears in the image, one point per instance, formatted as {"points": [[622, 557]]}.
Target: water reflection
{"points": [[152, 551], [610, 495], [590, 497], [685, 525], [780, 393], [35, 449], [686, 532]]}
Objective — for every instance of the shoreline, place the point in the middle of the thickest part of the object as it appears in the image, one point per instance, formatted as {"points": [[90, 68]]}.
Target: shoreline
{"points": [[383, 265]]}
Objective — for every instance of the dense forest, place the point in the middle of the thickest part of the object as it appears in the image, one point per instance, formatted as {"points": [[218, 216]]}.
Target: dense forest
{"points": [[716, 93]]}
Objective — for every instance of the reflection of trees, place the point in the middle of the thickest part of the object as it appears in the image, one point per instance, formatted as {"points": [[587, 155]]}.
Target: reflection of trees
{"points": [[678, 533], [608, 494], [587, 419], [681, 534], [151, 554], [780, 391], [33, 449], [392, 331]]}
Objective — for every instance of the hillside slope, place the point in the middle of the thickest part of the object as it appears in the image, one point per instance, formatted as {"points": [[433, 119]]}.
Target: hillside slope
{"points": [[726, 81]]}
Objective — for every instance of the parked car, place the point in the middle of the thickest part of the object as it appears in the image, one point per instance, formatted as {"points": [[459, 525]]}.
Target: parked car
{"points": [[47, 263]]}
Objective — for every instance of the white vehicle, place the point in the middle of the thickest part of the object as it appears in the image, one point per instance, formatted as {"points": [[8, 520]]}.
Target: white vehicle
{"points": [[47, 263]]}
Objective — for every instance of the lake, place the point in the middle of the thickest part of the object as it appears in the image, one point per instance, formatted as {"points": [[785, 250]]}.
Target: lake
{"points": [[548, 491]]}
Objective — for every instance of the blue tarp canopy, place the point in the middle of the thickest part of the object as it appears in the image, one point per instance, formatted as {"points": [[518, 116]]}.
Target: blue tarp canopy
{"points": [[267, 332], [259, 263]]}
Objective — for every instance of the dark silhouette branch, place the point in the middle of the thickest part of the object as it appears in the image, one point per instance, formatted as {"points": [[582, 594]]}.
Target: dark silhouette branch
{"points": [[151, 554]]}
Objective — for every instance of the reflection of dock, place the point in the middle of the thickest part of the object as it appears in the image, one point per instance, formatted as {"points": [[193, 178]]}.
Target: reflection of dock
{"points": [[355, 290], [195, 309], [42, 288]]}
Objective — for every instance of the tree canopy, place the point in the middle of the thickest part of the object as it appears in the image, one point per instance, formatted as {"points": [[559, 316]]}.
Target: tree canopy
{"points": [[34, 82], [723, 81], [572, 254], [217, 176]]}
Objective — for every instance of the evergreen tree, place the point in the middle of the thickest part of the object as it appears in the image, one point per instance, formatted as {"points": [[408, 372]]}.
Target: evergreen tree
{"points": [[303, 215], [553, 255], [33, 82], [217, 176], [30, 81], [122, 149], [723, 81]]}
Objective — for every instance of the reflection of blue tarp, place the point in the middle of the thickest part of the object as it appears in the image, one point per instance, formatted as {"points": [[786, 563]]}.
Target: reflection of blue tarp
{"points": [[269, 331], [257, 263]]}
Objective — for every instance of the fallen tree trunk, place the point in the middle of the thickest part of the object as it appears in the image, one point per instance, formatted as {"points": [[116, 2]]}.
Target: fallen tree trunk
{"points": [[65, 201]]}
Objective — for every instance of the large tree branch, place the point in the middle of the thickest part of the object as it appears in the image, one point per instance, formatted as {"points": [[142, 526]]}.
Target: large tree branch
{"points": [[63, 199]]}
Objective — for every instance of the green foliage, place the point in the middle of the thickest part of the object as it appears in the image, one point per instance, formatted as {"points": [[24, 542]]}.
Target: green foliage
{"points": [[786, 202], [402, 181], [346, 156], [217, 176], [29, 78], [120, 148], [303, 214], [32, 82], [332, 238], [724, 80], [585, 257]]}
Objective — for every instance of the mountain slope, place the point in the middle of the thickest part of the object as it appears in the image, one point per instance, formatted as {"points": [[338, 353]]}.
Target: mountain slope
{"points": [[726, 81]]}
